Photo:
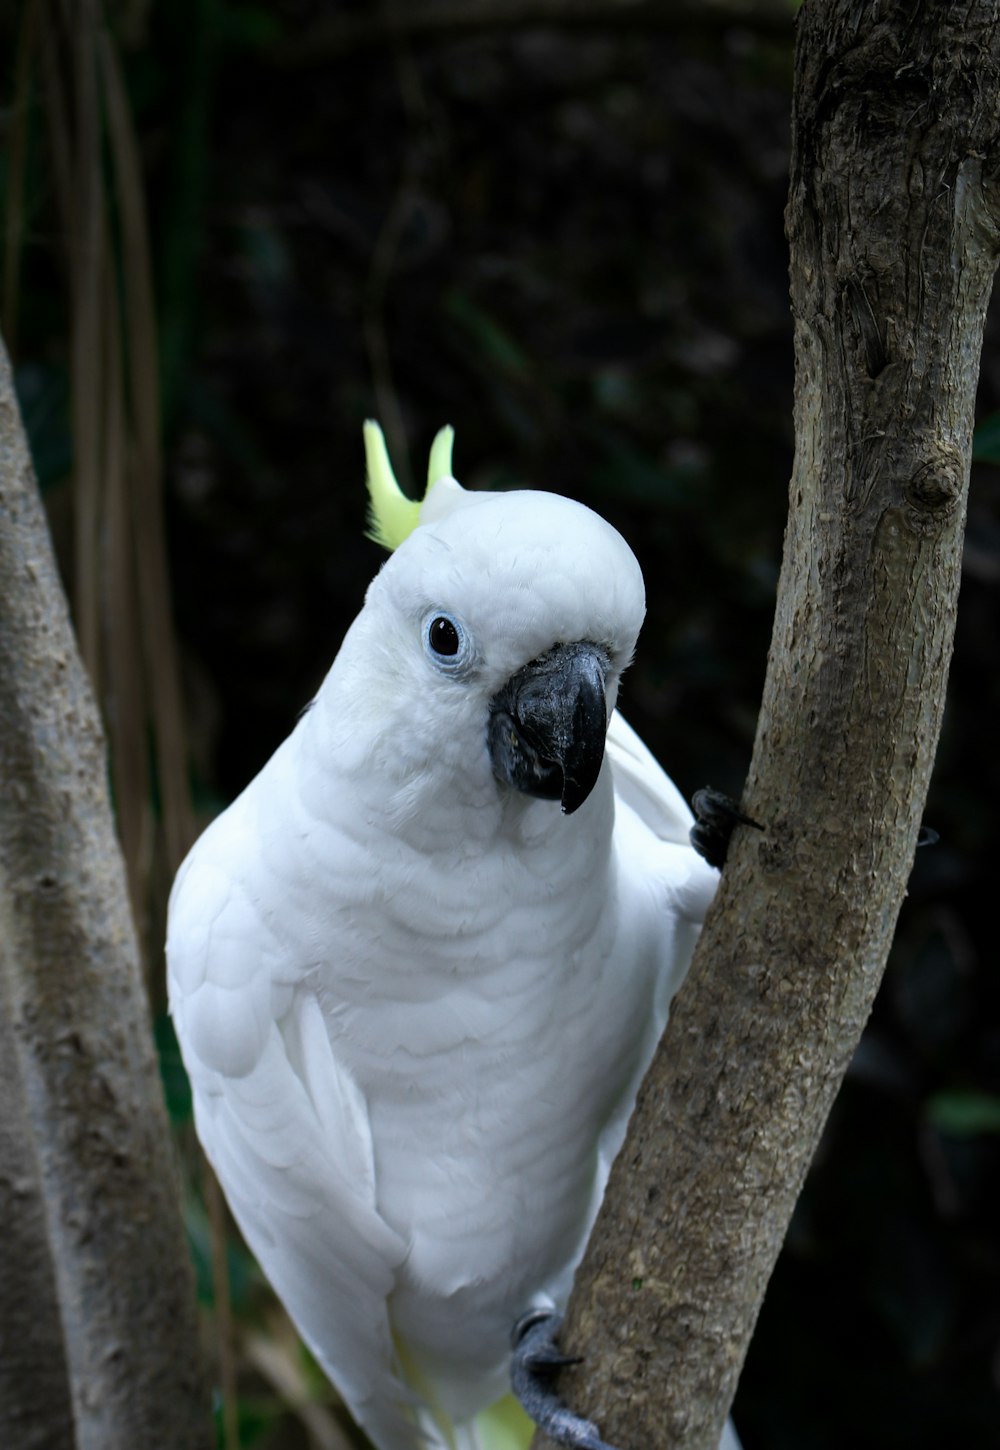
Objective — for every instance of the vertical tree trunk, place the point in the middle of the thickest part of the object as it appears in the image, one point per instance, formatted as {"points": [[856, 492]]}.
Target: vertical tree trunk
{"points": [[892, 221], [94, 1138], [35, 1409]]}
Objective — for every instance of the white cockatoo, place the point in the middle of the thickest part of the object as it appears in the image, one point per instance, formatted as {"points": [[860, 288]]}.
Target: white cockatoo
{"points": [[419, 966]]}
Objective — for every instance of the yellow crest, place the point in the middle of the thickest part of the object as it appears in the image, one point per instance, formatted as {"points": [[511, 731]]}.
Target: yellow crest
{"points": [[391, 515]]}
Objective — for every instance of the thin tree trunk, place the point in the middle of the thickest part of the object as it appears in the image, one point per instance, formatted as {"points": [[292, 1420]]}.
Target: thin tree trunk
{"points": [[35, 1409], [94, 1125], [892, 221]]}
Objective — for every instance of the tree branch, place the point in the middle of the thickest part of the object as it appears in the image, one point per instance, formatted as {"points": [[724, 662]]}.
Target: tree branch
{"points": [[70, 981], [35, 1410], [452, 19], [892, 221]]}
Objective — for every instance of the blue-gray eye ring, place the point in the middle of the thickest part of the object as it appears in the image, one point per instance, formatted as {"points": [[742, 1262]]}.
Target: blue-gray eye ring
{"points": [[447, 641]]}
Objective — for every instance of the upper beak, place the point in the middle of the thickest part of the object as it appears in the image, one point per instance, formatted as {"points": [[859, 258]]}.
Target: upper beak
{"points": [[548, 724]]}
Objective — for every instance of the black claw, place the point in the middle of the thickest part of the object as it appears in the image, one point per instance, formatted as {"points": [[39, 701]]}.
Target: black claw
{"points": [[543, 1356], [526, 1322], [534, 1363], [716, 817], [928, 836]]}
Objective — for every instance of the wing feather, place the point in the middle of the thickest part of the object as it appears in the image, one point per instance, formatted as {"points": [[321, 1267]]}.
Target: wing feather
{"points": [[287, 1131], [643, 785]]}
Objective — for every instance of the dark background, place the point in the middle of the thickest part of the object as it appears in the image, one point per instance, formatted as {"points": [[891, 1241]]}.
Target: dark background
{"points": [[566, 240]]}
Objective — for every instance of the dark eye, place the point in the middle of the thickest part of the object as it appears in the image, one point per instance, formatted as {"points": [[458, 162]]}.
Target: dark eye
{"points": [[443, 636], [447, 642]]}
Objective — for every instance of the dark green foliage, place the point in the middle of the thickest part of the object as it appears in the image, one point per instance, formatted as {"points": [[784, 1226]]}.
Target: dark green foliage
{"points": [[176, 1088]]}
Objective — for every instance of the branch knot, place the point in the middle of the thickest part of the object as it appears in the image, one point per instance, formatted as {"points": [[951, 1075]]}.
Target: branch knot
{"points": [[934, 489]]}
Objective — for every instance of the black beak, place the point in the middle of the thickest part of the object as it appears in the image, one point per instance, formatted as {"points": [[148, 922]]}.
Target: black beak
{"points": [[548, 723]]}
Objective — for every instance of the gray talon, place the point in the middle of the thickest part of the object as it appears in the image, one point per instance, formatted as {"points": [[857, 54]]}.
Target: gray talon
{"points": [[534, 1363]]}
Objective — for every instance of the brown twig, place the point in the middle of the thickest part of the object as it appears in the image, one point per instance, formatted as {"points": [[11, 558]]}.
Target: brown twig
{"points": [[138, 324], [17, 149]]}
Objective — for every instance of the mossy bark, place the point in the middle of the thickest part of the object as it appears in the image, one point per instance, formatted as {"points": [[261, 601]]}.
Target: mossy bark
{"points": [[91, 1154], [893, 226]]}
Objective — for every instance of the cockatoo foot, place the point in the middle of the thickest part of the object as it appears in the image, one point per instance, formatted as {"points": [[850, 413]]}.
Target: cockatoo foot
{"points": [[535, 1361], [716, 817]]}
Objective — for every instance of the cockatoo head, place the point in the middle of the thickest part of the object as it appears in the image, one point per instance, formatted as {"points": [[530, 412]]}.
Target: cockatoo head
{"points": [[495, 636]]}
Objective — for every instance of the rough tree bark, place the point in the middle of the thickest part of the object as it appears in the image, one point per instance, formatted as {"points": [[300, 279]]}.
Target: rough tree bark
{"points": [[893, 226], [35, 1409], [90, 1160]]}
